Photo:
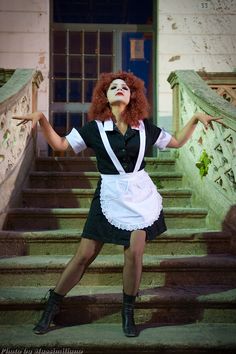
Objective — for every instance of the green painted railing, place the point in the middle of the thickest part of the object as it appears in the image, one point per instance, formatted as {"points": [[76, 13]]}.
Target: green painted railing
{"points": [[5, 75], [209, 158]]}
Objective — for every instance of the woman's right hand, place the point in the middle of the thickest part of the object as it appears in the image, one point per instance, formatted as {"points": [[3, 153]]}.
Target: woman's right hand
{"points": [[32, 117]]}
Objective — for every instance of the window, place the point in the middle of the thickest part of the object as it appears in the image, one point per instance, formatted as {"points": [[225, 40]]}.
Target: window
{"points": [[78, 58], [103, 11]]}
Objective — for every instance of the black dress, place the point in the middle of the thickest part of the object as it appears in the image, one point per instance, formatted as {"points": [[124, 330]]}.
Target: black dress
{"points": [[126, 148]]}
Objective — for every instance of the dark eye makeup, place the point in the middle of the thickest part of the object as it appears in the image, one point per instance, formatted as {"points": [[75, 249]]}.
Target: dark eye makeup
{"points": [[123, 87]]}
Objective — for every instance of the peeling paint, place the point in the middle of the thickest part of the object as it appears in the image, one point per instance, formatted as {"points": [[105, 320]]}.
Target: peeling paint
{"points": [[196, 46], [202, 69], [175, 57], [41, 58], [205, 45]]}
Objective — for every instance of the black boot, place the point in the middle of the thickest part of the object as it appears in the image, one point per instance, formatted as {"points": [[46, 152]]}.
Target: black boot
{"points": [[51, 310], [128, 323]]}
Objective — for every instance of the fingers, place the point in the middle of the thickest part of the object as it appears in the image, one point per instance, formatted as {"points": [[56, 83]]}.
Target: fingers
{"points": [[216, 119], [210, 120], [23, 122], [207, 120], [211, 125], [207, 124], [23, 119], [220, 122]]}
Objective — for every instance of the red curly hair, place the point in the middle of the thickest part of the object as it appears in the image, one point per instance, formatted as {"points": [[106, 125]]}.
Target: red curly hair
{"points": [[136, 110]]}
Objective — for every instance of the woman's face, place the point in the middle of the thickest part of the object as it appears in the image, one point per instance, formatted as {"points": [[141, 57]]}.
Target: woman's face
{"points": [[118, 91]]}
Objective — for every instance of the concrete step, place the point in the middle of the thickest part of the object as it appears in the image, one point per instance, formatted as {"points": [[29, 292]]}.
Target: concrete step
{"points": [[73, 164], [102, 304], [81, 198], [97, 338], [67, 218], [172, 242], [107, 270], [41, 179]]}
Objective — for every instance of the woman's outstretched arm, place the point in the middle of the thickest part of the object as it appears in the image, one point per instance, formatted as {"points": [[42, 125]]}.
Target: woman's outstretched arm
{"points": [[184, 135], [56, 142]]}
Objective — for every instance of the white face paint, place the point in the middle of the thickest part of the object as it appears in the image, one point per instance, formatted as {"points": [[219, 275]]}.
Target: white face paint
{"points": [[118, 91]]}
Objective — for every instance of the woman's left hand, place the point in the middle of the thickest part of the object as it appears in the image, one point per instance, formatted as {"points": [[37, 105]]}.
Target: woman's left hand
{"points": [[207, 120]]}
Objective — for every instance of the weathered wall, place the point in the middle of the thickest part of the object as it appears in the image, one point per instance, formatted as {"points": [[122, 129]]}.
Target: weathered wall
{"points": [[193, 34], [24, 40]]}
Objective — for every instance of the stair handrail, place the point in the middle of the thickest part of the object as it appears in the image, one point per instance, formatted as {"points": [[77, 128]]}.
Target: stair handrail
{"points": [[206, 98], [5, 75], [18, 96], [209, 158]]}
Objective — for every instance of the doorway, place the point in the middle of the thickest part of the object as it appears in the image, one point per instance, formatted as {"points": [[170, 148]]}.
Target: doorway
{"points": [[80, 52]]}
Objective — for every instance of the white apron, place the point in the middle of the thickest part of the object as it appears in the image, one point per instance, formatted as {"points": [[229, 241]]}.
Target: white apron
{"points": [[129, 201]]}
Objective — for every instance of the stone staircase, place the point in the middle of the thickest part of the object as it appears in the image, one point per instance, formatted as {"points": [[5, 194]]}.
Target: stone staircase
{"points": [[187, 300]]}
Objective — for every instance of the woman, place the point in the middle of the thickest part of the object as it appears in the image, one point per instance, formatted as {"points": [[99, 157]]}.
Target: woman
{"points": [[126, 208]]}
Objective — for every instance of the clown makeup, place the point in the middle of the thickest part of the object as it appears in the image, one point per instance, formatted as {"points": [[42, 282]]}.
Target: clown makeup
{"points": [[118, 91]]}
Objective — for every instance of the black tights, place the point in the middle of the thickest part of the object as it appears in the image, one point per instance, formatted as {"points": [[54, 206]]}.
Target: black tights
{"points": [[88, 251]]}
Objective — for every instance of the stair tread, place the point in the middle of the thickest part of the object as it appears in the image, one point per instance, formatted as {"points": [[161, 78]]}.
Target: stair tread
{"points": [[170, 234], [59, 190], [96, 174], [176, 191], [101, 337], [165, 262], [157, 296], [174, 210], [93, 158]]}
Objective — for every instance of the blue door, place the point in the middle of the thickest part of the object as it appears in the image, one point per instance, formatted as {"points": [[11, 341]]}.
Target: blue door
{"points": [[137, 57]]}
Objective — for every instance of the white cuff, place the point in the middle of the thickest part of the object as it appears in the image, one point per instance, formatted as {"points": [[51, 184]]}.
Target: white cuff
{"points": [[76, 141], [163, 140]]}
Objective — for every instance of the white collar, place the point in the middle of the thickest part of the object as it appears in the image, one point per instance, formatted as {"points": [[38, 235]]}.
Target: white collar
{"points": [[108, 125]]}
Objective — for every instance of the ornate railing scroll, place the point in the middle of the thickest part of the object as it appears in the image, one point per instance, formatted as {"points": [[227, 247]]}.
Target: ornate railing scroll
{"points": [[224, 84], [218, 188], [18, 96]]}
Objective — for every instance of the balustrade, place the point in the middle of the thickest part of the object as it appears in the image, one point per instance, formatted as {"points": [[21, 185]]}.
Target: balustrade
{"points": [[217, 188], [18, 96]]}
